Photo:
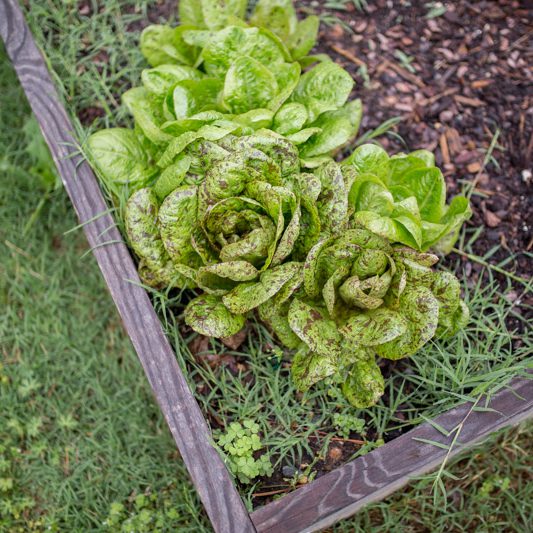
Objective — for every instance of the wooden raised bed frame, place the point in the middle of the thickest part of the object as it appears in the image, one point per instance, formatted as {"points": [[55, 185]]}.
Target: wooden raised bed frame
{"points": [[330, 498]]}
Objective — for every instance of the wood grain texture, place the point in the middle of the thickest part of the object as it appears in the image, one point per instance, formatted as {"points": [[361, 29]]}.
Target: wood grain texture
{"points": [[217, 492], [372, 477]]}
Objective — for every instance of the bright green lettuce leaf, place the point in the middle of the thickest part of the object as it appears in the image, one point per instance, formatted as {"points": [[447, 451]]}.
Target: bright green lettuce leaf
{"points": [[290, 118], [147, 114], [217, 12], [304, 38], [256, 118], [159, 80], [249, 85], [120, 159], [334, 130], [370, 159], [279, 16], [207, 315], [226, 46], [191, 13], [325, 87], [190, 97], [403, 198], [162, 45], [427, 186], [172, 177], [287, 77]]}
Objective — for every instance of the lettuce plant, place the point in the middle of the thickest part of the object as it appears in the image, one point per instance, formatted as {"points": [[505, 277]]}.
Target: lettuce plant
{"points": [[215, 69], [227, 185], [403, 198], [360, 297], [228, 231]]}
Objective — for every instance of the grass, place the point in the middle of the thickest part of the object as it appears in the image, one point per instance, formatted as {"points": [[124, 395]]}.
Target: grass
{"points": [[83, 445]]}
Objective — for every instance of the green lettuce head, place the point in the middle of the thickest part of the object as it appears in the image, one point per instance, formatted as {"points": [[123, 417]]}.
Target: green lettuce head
{"points": [[215, 68], [403, 198], [358, 298]]}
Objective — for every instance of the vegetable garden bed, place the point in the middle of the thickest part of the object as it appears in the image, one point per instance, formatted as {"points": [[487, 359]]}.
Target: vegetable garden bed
{"points": [[329, 498]]}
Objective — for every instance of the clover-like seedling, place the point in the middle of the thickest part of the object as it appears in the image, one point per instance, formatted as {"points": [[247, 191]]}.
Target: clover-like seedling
{"points": [[240, 442], [346, 424]]}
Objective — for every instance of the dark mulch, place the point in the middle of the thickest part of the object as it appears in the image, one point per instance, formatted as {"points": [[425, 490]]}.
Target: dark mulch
{"points": [[465, 75]]}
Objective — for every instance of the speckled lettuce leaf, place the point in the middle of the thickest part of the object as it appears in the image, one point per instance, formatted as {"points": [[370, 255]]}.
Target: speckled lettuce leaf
{"points": [[177, 219], [162, 45], [281, 151], [248, 85], [421, 310], [453, 312], [274, 312], [332, 203], [309, 368], [248, 296], [241, 230], [364, 384], [222, 277], [325, 87], [140, 218], [374, 327], [179, 144], [276, 317], [207, 315], [304, 37], [120, 159], [315, 329]]}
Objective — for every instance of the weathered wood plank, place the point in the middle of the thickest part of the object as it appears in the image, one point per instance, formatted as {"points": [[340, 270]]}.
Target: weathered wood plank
{"points": [[219, 496], [370, 478]]}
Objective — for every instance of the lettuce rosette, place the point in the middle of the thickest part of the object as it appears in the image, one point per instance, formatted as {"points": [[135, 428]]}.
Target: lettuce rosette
{"points": [[216, 68], [229, 232], [357, 298], [403, 198]]}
